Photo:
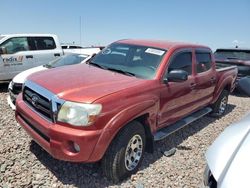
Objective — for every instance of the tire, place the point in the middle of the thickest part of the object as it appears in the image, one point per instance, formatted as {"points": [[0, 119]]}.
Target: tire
{"points": [[220, 106], [244, 86], [125, 153]]}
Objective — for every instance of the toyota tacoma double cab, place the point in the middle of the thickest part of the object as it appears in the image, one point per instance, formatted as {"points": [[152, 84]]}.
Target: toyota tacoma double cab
{"points": [[132, 93]]}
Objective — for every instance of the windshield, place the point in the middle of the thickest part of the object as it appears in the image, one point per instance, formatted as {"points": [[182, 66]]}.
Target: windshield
{"points": [[233, 54], [139, 61], [70, 59]]}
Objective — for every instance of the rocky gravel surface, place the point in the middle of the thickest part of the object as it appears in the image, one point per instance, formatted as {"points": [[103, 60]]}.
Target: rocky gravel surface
{"points": [[25, 164]]}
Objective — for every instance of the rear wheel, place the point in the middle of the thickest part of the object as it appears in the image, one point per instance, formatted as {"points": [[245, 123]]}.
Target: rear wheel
{"points": [[220, 106], [125, 153]]}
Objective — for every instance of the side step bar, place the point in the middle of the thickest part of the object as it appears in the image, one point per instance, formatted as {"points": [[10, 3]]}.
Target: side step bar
{"points": [[164, 132]]}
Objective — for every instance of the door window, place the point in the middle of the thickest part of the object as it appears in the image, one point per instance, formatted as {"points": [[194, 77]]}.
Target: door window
{"points": [[42, 43], [14, 45], [204, 61], [182, 61]]}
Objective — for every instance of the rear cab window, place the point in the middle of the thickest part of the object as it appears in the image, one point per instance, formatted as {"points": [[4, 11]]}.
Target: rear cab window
{"points": [[238, 54]]}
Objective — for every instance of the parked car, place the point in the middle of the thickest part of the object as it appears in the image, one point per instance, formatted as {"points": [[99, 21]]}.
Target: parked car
{"points": [[70, 47], [131, 94], [15, 86], [19, 52], [241, 58], [234, 56], [227, 158], [85, 50]]}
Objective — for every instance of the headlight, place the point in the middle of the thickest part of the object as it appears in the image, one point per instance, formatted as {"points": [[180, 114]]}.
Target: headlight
{"points": [[11, 85], [79, 114]]}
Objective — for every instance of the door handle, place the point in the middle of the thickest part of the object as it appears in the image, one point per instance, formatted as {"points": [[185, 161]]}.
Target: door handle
{"points": [[213, 79], [56, 55], [29, 56], [192, 86]]}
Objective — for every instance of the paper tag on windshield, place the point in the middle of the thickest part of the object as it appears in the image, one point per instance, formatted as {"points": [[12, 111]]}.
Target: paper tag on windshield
{"points": [[155, 51]]}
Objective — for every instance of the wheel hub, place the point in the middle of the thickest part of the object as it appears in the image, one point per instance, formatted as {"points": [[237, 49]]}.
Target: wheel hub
{"points": [[133, 152], [223, 105]]}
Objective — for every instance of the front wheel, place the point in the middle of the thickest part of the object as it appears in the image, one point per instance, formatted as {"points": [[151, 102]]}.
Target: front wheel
{"points": [[125, 153], [220, 106]]}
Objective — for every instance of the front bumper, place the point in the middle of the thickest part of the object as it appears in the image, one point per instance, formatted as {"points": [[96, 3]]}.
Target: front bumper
{"points": [[208, 179], [14, 89], [56, 139], [11, 103]]}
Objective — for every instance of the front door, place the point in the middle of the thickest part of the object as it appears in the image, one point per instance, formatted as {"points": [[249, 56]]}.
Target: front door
{"points": [[15, 58], [177, 98]]}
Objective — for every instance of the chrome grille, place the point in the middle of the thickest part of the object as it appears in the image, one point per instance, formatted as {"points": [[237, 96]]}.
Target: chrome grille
{"points": [[38, 102], [41, 100]]}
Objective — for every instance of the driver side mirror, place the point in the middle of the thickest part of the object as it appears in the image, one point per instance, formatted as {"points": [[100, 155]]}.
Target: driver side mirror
{"points": [[176, 76]]}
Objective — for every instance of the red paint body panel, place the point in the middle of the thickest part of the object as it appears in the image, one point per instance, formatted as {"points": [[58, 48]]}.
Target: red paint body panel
{"points": [[123, 99], [58, 135], [73, 82]]}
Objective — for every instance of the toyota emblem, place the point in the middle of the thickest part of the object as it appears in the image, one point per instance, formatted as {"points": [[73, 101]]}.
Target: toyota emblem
{"points": [[34, 100]]}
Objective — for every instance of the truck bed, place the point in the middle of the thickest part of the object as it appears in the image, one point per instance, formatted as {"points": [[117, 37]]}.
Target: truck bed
{"points": [[224, 66]]}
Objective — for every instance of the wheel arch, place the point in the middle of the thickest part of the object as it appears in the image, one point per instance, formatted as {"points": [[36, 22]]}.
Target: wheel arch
{"points": [[144, 113]]}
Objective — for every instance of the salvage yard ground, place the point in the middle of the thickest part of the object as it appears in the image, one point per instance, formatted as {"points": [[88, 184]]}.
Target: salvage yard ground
{"points": [[24, 164]]}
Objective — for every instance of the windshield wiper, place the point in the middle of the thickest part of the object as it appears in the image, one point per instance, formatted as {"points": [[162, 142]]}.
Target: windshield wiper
{"points": [[111, 69], [47, 66], [121, 71], [232, 58], [97, 65]]}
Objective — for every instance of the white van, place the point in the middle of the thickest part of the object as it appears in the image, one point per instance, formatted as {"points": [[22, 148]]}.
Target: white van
{"points": [[19, 52]]}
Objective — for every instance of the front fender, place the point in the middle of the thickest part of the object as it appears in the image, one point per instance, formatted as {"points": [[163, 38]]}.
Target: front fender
{"points": [[131, 112]]}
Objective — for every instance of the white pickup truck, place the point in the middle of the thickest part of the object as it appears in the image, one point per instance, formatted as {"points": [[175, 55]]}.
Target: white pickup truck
{"points": [[19, 52]]}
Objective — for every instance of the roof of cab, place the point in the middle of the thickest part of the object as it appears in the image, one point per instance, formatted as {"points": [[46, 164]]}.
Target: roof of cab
{"points": [[26, 35], [160, 43], [233, 49]]}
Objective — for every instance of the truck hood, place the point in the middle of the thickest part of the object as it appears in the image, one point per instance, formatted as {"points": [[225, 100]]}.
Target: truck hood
{"points": [[82, 82], [21, 77], [228, 156]]}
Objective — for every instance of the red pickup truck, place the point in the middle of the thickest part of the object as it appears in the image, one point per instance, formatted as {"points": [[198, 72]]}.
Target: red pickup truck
{"points": [[132, 93], [239, 57]]}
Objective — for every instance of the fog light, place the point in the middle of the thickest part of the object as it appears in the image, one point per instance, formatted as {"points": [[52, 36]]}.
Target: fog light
{"points": [[76, 147]]}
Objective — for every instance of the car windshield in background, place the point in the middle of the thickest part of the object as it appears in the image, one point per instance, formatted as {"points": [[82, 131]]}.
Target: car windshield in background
{"points": [[233, 54], [132, 60], [70, 59]]}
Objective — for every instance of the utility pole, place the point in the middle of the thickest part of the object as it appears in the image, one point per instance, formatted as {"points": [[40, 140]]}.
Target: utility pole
{"points": [[80, 31]]}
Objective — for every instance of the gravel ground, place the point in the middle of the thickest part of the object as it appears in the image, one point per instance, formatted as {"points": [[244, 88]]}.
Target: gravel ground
{"points": [[24, 164]]}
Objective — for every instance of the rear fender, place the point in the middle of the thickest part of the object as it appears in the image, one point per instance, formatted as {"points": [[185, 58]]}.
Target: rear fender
{"points": [[224, 84]]}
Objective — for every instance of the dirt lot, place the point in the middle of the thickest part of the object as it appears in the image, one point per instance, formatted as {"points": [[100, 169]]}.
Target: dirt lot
{"points": [[25, 164]]}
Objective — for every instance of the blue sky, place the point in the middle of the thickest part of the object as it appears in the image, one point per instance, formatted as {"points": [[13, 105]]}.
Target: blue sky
{"points": [[216, 23]]}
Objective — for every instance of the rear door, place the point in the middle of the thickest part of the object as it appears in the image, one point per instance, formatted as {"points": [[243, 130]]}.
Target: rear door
{"points": [[44, 49], [16, 57], [205, 76]]}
